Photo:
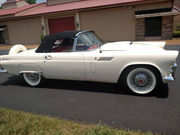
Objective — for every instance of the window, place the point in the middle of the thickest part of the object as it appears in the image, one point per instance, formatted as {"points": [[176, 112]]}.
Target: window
{"points": [[88, 41], [153, 26], [62, 45], [2, 34], [2, 41]]}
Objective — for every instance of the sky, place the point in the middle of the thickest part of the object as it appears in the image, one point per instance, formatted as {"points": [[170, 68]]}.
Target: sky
{"points": [[37, 1]]}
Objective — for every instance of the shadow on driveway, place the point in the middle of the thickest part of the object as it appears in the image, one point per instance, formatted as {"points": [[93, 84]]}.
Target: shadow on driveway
{"points": [[86, 86]]}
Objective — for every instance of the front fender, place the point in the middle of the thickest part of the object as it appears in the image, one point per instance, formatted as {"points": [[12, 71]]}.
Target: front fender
{"points": [[162, 73]]}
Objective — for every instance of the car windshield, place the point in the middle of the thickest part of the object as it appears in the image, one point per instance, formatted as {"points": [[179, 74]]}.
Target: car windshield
{"points": [[88, 41]]}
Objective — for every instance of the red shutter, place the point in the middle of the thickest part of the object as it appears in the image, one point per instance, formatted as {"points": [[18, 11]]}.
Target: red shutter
{"points": [[61, 24]]}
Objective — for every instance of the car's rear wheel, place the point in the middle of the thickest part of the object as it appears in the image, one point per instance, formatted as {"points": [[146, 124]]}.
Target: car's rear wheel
{"points": [[32, 79], [141, 80]]}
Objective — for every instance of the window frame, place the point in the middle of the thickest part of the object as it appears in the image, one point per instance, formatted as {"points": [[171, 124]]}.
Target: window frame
{"points": [[149, 22], [76, 42]]}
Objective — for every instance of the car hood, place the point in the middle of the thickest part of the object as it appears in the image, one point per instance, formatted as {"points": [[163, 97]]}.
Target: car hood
{"points": [[128, 45]]}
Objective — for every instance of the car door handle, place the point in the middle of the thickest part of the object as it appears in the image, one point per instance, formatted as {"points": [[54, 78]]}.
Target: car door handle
{"points": [[48, 57]]}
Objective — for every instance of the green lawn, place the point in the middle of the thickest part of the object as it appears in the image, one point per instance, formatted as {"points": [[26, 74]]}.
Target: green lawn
{"points": [[20, 123]]}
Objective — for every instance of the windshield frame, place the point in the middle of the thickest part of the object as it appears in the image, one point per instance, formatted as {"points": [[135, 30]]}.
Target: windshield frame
{"points": [[77, 38]]}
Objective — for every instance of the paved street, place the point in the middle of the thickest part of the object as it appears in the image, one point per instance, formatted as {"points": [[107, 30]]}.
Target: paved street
{"points": [[96, 102]]}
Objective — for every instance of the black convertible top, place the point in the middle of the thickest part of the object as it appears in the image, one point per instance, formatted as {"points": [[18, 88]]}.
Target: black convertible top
{"points": [[48, 41]]}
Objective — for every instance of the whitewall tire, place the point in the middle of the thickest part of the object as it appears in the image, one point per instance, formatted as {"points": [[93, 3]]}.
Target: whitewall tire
{"points": [[32, 79], [17, 49], [141, 80]]}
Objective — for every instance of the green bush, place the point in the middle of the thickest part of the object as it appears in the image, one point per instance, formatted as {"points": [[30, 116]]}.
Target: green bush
{"points": [[178, 27], [42, 37], [176, 34]]}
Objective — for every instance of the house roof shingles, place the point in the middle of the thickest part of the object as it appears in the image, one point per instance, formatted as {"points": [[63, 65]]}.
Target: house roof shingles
{"points": [[63, 7], [13, 11], [79, 5]]}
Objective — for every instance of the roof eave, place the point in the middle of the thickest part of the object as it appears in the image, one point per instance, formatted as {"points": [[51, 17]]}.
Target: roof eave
{"points": [[157, 14]]}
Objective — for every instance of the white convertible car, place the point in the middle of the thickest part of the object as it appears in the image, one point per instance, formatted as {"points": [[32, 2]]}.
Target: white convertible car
{"points": [[81, 55]]}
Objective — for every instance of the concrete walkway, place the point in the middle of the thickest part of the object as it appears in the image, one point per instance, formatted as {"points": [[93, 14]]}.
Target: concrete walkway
{"points": [[168, 42], [173, 42]]}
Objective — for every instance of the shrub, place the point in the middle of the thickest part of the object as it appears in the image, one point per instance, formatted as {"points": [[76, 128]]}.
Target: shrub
{"points": [[178, 27], [42, 37], [176, 34]]}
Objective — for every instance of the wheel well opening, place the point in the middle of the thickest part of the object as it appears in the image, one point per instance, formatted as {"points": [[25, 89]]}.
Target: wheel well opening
{"points": [[137, 66]]}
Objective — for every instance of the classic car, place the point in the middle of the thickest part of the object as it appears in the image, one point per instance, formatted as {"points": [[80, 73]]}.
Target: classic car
{"points": [[80, 55]]}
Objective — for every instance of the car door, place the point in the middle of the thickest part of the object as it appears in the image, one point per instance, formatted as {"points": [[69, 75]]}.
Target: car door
{"points": [[63, 63], [100, 65]]}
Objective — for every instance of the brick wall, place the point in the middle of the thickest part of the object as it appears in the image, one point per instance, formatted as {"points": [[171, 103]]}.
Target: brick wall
{"points": [[167, 27], [140, 29]]}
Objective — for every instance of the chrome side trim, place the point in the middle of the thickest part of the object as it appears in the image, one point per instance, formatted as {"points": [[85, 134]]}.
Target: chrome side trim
{"points": [[105, 58], [30, 72]]}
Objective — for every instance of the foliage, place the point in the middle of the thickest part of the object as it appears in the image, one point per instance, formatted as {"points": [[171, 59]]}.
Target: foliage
{"points": [[178, 27], [176, 34], [31, 1], [20, 123], [42, 37]]}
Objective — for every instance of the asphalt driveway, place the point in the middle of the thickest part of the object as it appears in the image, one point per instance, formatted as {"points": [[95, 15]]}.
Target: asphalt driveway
{"points": [[97, 102]]}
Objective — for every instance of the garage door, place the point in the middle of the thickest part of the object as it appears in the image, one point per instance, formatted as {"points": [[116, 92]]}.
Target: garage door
{"points": [[61, 24]]}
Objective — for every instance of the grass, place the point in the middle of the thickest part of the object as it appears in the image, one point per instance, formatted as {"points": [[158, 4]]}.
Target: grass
{"points": [[20, 123]]}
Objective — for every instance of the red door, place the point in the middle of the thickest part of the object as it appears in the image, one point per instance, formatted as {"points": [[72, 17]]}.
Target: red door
{"points": [[61, 24]]}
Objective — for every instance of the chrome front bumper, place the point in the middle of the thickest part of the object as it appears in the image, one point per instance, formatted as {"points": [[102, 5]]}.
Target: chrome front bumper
{"points": [[171, 78]]}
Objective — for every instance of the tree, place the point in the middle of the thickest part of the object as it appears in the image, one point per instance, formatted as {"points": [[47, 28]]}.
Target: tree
{"points": [[31, 1]]}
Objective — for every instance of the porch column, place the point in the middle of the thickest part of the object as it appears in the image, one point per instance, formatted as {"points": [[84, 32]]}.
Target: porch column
{"points": [[43, 26], [77, 21]]}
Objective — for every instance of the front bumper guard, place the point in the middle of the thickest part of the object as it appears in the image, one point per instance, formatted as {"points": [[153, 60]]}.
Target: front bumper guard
{"points": [[171, 78]]}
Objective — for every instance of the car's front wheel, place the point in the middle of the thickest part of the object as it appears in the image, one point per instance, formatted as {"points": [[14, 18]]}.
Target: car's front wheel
{"points": [[141, 80], [33, 79]]}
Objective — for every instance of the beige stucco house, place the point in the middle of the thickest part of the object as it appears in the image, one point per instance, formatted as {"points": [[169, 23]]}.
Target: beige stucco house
{"points": [[113, 20]]}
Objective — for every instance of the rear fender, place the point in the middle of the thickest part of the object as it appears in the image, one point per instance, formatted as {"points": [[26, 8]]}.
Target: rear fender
{"points": [[30, 68]]}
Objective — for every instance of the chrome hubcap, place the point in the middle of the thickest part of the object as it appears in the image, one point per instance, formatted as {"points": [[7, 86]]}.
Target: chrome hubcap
{"points": [[33, 77], [141, 80]]}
